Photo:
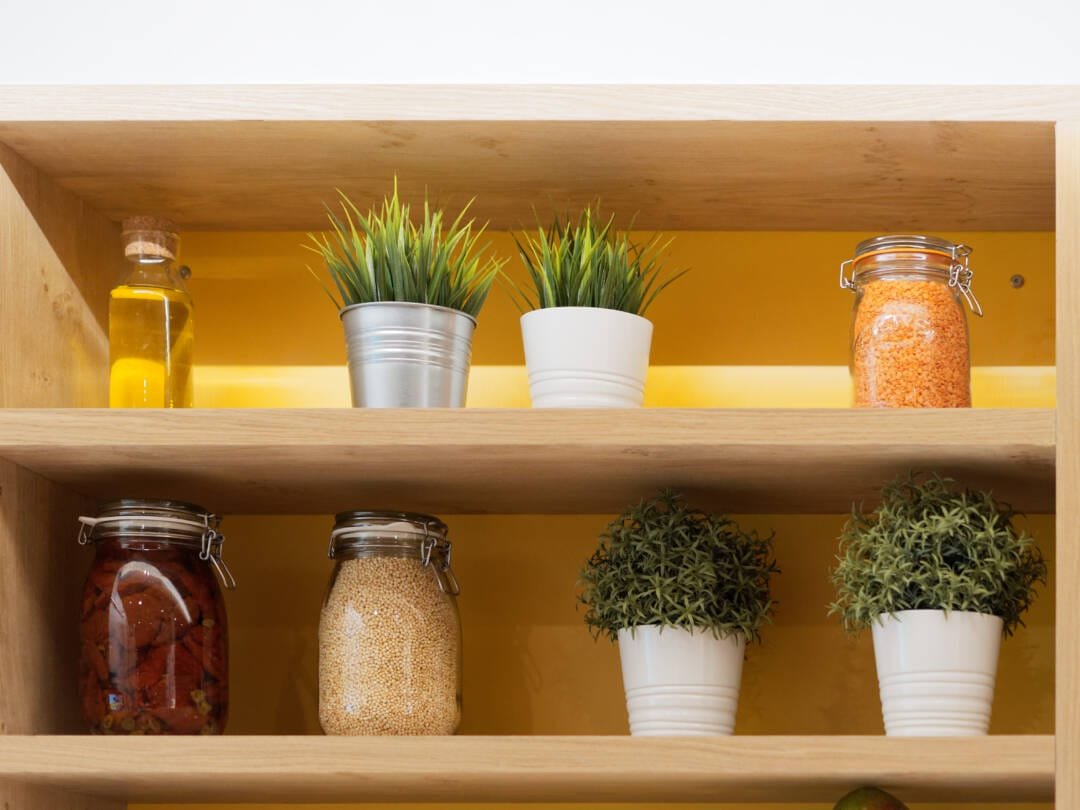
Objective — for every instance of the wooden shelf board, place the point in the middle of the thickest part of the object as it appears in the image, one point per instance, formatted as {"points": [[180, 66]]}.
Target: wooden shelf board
{"points": [[529, 769], [527, 461], [708, 158], [539, 102]]}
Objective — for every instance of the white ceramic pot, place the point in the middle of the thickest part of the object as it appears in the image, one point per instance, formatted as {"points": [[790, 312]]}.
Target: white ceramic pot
{"points": [[936, 672], [680, 683], [586, 357]]}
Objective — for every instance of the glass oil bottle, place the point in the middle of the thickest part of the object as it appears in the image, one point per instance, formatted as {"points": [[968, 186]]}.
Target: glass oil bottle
{"points": [[151, 330]]}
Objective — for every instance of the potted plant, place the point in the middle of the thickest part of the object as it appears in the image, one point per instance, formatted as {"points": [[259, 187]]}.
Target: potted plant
{"points": [[939, 575], [682, 591], [408, 294], [586, 339]]}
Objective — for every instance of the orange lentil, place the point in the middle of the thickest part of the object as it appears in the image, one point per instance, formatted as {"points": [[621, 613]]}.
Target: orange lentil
{"points": [[910, 346]]}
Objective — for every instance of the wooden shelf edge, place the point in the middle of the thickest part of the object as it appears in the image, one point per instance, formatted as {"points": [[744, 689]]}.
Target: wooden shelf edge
{"points": [[26, 431], [610, 102], [528, 769], [473, 461]]}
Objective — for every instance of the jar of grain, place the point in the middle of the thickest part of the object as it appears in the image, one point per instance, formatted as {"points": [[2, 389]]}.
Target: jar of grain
{"points": [[909, 335], [390, 635], [154, 652]]}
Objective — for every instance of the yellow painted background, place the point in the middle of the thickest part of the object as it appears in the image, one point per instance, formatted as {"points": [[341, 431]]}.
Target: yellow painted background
{"points": [[267, 336]]}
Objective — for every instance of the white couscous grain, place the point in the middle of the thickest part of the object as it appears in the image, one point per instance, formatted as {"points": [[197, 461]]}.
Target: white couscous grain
{"points": [[389, 651]]}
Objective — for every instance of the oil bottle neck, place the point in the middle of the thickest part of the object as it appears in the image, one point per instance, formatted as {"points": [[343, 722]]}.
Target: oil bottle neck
{"points": [[156, 271]]}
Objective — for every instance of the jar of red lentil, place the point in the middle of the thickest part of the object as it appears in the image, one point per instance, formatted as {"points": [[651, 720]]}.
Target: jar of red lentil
{"points": [[909, 334], [154, 636], [389, 634]]}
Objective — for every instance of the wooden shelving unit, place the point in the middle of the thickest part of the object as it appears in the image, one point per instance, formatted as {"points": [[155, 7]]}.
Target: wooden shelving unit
{"points": [[74, 160]]}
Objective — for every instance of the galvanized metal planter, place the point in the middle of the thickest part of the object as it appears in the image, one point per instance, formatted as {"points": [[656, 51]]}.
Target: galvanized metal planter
{"points": [[404, 355]]}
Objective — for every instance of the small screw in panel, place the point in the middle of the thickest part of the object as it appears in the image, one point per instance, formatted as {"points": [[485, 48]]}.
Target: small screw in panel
{"points": [[1017, 281]]}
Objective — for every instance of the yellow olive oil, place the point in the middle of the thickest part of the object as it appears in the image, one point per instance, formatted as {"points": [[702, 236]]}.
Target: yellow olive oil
{"points": [[151, 330], [151, 340]]}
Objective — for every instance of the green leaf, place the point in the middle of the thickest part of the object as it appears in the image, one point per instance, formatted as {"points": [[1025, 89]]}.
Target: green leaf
{"points": [[664, 563], [930, 547], [585, 264], [382, 255]]}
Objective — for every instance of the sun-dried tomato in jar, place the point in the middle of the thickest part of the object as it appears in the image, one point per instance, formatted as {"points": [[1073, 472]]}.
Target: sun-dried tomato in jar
{"points": [[909, 334], [154, 636]]}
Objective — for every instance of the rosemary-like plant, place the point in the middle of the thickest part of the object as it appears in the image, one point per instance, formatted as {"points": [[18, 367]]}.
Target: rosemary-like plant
{"points": [[664, 563], [589, 264], [384, 256], [929, 547]]}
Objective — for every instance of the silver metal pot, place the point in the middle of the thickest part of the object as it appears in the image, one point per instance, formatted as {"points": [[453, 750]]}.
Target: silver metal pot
{"points": [[404, 355]]}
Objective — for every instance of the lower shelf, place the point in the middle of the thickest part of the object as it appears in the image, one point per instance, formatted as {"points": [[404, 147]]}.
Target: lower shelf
{"points": [[526, 769]]}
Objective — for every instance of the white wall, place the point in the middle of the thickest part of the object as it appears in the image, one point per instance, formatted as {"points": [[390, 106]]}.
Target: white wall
{"points": [[351, 41]]}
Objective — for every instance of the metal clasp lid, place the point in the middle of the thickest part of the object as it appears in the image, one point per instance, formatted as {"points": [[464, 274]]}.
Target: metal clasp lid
{"points": [[846, 283], [443, 574], [960, 276], [210, 542]]}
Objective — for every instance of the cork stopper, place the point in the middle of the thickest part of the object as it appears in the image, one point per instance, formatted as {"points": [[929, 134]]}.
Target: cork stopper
{"points": [[149, 238]]}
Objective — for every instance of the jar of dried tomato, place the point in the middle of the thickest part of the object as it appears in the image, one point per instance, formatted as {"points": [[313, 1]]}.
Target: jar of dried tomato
{"points": [[909, 333], [154, 636]]}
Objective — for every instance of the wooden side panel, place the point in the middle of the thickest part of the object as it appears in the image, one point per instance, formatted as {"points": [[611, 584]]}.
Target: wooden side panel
{"points": [[58, 260], [1067, 724], [41, 571]]}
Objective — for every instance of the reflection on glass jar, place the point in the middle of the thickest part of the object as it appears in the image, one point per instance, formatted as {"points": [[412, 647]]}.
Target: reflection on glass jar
{"points": [[154, 634], [909, 336], [390, 635]]}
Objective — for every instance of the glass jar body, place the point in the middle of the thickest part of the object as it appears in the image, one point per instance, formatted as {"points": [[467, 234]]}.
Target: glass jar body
{"points": [[154, 640], [389, 649], [909, 337], [151, 338]]}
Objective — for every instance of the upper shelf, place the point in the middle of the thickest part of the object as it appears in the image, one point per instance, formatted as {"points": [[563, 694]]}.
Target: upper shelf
{"points": [[528, 461], [691, 158]]}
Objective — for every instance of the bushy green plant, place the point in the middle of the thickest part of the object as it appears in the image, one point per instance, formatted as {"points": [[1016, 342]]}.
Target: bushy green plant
{"points": [[663, 563], [590, 264], [930, 547], [384, 256]]}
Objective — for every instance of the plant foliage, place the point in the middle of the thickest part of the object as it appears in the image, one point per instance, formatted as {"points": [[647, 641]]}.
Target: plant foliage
{"points": [[928, 547], [589, 264], [384, 256], [664, 563]]}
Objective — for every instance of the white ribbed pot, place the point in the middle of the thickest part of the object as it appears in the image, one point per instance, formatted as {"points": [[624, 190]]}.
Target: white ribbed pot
{"points": [[586, 357], [936, 672], [680, 683]]}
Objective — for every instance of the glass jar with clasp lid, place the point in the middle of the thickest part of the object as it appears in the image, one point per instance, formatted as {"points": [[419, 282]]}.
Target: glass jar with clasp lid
{"points": [[909, 333], [390, 634], [154, 632]]}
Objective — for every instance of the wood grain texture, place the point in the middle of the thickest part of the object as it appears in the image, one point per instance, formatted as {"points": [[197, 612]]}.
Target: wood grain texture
{"points": [[41, 573], [678, 174], [1067, 631], [16, 796], [58, 259], [508, 769], [529, 461], [638, 102]]}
